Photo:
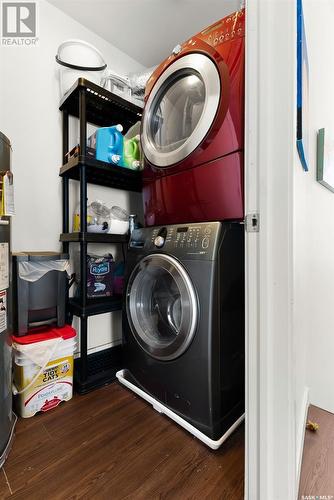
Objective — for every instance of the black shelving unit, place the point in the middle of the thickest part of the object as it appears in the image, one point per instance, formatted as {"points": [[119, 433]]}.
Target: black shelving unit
{"points": [[95, 306], [91, 103], [101, 173], [93, 238], [109, 359]]}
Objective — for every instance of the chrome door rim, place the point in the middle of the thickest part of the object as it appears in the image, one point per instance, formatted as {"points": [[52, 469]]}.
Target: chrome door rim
{"points": [[182, 341], [208, 71]]}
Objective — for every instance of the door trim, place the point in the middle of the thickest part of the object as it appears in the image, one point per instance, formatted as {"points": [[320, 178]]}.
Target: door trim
{"points": [[270, 468]]}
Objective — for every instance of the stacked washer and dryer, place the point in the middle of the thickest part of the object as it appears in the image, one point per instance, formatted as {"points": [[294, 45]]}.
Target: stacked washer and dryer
{"points": [[183, 319]]}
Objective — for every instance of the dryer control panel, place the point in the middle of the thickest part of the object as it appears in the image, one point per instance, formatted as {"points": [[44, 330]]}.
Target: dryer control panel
{"points": [[183, 240], [227, 29]]}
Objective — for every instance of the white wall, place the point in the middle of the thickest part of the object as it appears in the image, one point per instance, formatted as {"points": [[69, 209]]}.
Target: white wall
{"points": [[30, 118], [158, 24], [314, 218]]}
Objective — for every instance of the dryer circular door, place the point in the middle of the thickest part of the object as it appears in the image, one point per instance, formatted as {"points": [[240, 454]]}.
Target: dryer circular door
{"points": [[180, 109], [162, 306]]}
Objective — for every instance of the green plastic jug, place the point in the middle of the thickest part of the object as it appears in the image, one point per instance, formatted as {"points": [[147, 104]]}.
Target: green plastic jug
{"points": [[132, 153]]}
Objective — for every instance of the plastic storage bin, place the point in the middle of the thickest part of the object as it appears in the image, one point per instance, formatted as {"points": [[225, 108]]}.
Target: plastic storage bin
{"points": [[78, 58], [43, 369], [39, 289]]}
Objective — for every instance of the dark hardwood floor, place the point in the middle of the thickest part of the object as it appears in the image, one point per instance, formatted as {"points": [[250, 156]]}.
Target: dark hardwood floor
{"points": [[112, 445], [317, 472]]}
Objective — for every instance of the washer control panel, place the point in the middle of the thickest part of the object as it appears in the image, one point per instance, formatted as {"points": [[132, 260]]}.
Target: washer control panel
{"points": [[182, 240]]}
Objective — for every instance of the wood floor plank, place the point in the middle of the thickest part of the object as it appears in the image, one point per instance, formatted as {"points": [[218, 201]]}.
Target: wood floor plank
{"points": [[81, 411], [4, 487], [317, 472], [23, 467], [110, 444], [199, 473], [106, 461], [123, 476]]}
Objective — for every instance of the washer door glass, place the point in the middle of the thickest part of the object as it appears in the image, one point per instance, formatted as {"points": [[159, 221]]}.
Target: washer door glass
{"points": [[180, 109], [162, 306]]}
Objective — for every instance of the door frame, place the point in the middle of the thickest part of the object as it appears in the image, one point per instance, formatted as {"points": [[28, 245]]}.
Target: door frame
{"points": [[270, 462]]}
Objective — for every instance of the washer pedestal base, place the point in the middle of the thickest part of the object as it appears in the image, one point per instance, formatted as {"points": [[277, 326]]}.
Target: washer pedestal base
{"points": [[159, 407]]}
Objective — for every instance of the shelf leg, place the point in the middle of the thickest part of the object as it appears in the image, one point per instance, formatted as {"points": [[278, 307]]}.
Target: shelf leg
{"points": [[65, 134], [82, 122], [83, 197], [83, 349], [83, 228], [66, 201], [65, 188], [83, 273], [65, 180], [83, 180]]}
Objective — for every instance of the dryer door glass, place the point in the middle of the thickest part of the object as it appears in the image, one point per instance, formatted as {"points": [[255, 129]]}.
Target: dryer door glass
{"points": [[180, 109], [162, 306], [177, 111]]}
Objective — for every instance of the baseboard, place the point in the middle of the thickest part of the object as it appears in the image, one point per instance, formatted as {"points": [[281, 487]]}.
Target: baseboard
{"points": [[320, 403], [300, 434]]}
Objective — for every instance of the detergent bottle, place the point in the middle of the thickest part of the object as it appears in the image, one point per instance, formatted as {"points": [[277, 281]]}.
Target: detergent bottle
{"points": [[132, 153], [106, 144], [116, 144]]}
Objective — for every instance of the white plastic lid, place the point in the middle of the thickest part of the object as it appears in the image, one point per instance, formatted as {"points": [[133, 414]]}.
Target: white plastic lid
{"points": [[82, 43]]}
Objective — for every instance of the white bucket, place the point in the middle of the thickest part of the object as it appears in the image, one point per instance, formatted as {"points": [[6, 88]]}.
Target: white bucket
{"points": [[43, 374], [79, 59]]}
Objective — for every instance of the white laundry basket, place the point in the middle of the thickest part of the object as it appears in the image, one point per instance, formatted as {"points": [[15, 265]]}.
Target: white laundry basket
{"points": [[79, 59]]}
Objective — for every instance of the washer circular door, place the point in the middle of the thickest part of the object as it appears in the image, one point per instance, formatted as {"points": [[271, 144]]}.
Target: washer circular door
{"points": [[180, 109], [162, 306]]}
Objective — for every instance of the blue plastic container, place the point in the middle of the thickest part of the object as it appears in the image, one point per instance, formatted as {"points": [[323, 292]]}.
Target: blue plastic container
{"points": [[107, 143]]}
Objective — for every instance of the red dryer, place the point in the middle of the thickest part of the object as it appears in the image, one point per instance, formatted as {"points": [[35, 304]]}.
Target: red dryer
{"points": [[192, 131]]}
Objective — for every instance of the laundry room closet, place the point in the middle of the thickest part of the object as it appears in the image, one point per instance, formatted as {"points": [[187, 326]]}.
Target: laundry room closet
{"points": [[127, 249]]}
